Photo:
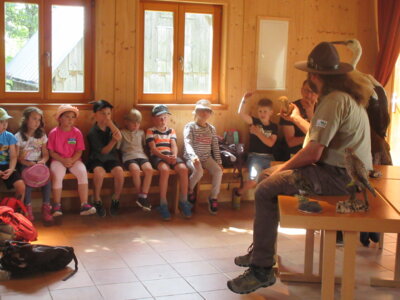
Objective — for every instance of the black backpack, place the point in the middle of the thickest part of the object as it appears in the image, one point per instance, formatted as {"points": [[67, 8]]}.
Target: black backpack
{"points": [[233, 156], [21, 259]]}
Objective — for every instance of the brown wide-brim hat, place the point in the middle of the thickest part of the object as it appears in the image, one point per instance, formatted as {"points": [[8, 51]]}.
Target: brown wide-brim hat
{"points": [[324, 59]]}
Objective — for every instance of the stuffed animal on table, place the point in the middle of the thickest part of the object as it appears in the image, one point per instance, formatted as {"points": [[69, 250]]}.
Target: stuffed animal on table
{"points": [[306, 189], [359, 178]]}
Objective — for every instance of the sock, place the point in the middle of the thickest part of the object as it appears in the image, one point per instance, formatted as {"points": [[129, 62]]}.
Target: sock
{"points": [[143, 195], [163, 201]]}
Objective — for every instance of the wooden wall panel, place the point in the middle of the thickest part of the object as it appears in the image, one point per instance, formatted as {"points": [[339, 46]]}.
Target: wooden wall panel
{"points": [[312, 21]]}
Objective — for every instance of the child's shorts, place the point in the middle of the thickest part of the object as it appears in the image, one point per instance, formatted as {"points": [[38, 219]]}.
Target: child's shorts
{"points": [[257, 162], [136, 161], [155, 160], [108, 165], [9, 182]]}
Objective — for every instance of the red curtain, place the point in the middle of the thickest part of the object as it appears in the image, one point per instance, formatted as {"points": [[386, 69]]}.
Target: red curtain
{"points": [[389, 38]]}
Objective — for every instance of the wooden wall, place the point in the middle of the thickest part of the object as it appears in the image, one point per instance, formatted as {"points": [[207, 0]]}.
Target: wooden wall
{"points": [[311, 21]]}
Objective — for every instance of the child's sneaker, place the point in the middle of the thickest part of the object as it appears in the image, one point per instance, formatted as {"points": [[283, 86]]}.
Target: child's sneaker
{"points": [[46, 213], [186, 209], [144, 203], [57, 212], [212, 206], [164, 212], [29, 212], [192, 199], [100, 208], [87, 209], [236, 198], [114, 207]]}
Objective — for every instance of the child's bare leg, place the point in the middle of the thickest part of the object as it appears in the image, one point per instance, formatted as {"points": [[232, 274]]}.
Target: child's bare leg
{"points": [[249, 184], [98, 178], [57, 196], [19, 186], [135, 173], [164, 176], [83, 191], [182, 171], [118, 174], [148, 175]]}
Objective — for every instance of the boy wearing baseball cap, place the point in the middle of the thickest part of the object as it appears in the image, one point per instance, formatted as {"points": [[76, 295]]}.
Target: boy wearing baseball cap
{"points": [[8, 157], [162, 142]]}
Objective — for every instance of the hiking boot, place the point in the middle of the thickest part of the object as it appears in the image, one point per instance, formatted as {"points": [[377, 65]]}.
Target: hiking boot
{"points": [[101, 212], [29, 212], [143, 203], [114, 207], [252, 279], [186, 209], [236, 198], [213, 206], [164, 212], [57, 212], [244, 260], [192, 199], [46, 213], [87, 209]]}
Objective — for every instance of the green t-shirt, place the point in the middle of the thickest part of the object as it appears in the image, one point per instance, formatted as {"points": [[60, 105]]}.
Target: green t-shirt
{"points": [[339, 122]]}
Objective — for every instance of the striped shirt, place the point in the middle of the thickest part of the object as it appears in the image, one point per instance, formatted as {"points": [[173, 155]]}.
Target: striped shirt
{"points": [[201, 142], [162, 139]]}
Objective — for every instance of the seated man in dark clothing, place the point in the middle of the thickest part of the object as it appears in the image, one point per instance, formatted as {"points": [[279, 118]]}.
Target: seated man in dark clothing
{"points": [[340, 121]]}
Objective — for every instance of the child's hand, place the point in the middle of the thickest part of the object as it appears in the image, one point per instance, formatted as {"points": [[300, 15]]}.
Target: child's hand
{"points": [[172, 159], [117, 136], [28, 163], [7, 173], [68, 162], [196, 162], [42, 161], [247, 95], [255, 130]]}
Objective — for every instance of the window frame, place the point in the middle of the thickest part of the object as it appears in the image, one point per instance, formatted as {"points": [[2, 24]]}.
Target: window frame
{"points": [[45, 94], [179, 9]]}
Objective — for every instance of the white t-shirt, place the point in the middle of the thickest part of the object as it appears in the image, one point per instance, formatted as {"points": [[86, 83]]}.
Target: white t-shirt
{"points": [[30, 149]]}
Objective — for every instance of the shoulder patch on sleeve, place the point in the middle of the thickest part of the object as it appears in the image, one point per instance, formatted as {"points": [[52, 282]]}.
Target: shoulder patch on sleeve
{"points": [[321, 123]]}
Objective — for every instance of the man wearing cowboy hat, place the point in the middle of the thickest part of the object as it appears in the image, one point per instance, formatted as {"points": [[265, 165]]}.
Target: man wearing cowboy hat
{"points": [[340, 121]]}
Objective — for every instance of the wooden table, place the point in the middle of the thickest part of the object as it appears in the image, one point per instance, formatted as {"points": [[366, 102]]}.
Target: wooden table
{"points": [[389, 190], [380, 218], [388, 172]]}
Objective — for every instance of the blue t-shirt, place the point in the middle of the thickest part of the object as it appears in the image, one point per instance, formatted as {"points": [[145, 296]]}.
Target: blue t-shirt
{"points": [[6, 139]]}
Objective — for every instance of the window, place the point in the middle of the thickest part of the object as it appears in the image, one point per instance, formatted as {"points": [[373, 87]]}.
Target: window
{"points": [[179, 52], [46, 50]]}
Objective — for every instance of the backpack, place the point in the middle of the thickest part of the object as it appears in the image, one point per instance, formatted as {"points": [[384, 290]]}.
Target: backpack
{"points": [[17, 226], [231, 136], [21, 259], [233, 156], [15, 204]]}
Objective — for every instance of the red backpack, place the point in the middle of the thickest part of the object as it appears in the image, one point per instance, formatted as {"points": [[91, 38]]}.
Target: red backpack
{"points": [[15, 204], [21, 229]]}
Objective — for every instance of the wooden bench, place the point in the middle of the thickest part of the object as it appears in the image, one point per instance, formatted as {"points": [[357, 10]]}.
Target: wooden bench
{"points": [[381, 217], [229, 177]]}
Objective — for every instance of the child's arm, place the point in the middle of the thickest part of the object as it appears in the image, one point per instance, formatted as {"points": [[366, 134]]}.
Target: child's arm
{"points": [[242, 111], [269, 141], [215, 148], [77, 155], [174, 149], [188, 141], [154, 151], [20, 159], [116, 137], [45, 155], [54, 155], [13, 162]]}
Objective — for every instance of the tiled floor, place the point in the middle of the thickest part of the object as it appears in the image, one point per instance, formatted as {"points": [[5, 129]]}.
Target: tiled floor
{"points": [[138, 256]]}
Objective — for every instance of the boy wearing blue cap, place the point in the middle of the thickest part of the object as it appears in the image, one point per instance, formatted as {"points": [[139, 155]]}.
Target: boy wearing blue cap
{"points": [[163, 148]]}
